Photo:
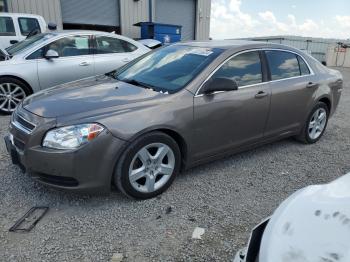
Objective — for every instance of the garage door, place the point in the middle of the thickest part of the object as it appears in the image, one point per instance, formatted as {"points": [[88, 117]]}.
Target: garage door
{"points": [[179, 12], [91, 12]]}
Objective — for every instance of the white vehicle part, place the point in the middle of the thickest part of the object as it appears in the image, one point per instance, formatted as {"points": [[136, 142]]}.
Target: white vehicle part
{"points": [[150, 43], [8, 40], [311, 225]]}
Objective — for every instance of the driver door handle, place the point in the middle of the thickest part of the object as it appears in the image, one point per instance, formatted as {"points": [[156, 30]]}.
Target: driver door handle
{"points": [[84, 63], [261, 94], [126, 60]]}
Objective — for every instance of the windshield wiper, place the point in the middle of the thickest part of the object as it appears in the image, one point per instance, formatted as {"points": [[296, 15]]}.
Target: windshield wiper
{"points": [[138, 83], [111, 74]]}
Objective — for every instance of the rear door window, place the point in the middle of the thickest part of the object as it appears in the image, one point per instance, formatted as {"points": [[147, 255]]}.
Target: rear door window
{"points": [[27, 25], [108, 45], [244, 68], [7, 27], [282, 64]]}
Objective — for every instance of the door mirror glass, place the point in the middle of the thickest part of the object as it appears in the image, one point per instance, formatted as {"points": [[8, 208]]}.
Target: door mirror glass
{"points": [[51, 54], [220, 84]]}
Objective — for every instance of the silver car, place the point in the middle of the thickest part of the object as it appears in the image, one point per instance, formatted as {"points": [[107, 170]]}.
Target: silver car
{"points": [[49, 59]]}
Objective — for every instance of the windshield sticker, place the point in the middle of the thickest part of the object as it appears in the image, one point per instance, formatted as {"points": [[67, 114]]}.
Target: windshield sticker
{"points": [[201, 51]]}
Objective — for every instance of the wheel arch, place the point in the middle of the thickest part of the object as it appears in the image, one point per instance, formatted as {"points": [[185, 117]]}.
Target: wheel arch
{"points": [[174, 134], [19, 79], [327, 101]]}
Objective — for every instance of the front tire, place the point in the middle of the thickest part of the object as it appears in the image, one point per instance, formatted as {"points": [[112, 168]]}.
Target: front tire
{"points": [[315, 125], [148, 166], [12, 92]]}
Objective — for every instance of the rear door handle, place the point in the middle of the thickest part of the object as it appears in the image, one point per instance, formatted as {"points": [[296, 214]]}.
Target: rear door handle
{"points": [[261, 94], [12, 42], [126, 60], [84, 63], [311, 85]]}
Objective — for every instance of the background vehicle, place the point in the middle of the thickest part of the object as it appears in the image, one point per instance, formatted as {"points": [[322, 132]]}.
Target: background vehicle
{"points": [[53, 58], [174, 108], [310, 225], [15, 27]]}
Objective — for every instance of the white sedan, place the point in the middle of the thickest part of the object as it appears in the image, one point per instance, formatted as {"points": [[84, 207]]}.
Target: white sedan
{"points": [[54, 58]]}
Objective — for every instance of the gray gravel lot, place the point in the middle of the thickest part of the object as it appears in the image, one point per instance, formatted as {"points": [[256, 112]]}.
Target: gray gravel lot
{"points": [[227, 198]]}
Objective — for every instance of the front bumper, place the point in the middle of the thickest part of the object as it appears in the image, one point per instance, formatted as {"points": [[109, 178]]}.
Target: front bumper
{"points": [[86, 169]]}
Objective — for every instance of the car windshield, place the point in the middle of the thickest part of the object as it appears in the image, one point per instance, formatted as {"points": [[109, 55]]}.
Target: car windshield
{"points": [[168, 69], [27, 43]]}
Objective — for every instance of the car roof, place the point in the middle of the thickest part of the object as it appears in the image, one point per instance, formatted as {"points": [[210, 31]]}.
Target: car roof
{"points": [[69, 32], [234, 44]]}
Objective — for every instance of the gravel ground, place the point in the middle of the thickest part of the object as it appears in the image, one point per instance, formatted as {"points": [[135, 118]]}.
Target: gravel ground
{"points": [[227, 198]]}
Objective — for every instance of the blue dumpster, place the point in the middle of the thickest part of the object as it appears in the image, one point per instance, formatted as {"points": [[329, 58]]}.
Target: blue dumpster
{"points": [[164, 33]]}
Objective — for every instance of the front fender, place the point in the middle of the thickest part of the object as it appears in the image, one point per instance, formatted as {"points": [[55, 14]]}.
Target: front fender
{"points": [[26, 72]]}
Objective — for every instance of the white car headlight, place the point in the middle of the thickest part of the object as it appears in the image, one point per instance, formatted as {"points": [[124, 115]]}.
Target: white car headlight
{"points": [[71, 137]]}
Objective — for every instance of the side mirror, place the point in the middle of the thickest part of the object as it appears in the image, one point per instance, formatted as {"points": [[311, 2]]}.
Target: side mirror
{"points": [[219, 84], [51, 54], [52, 26]]}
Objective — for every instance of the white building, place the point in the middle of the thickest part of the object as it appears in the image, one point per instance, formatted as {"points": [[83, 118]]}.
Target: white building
{"points": [[317, 47], [120, 15]]}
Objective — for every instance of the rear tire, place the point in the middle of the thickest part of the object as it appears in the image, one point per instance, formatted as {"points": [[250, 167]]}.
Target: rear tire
{"points": [[12, 92], [148, 166], [315, 124]]}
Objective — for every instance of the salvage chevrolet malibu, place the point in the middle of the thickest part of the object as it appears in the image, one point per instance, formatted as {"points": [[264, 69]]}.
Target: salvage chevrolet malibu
{"points": [[171, 109]]}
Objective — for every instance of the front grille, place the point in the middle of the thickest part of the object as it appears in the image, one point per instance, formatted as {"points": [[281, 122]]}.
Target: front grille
{"points": [[22, 124]]}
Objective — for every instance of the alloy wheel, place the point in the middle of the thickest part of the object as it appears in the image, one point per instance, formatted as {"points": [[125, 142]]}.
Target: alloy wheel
{"points": [[10, 96], [317, 123], [151, 167]]}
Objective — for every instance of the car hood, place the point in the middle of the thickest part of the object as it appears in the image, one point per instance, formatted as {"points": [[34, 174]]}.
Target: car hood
{"points": [[311, 225], [86, 95]]}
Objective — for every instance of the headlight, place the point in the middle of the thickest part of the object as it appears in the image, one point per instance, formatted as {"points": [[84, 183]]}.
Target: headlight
{"points": [[71, 137]]}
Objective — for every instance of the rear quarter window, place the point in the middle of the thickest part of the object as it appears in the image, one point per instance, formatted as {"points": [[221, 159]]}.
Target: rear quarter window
{"points": [[304, 69]]}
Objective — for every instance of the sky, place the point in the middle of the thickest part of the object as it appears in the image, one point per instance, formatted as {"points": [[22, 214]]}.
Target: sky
{"points": [[248, 18]]}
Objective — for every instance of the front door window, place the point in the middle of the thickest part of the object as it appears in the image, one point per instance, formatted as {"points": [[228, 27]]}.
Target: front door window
{"points": [[71, 46]]}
